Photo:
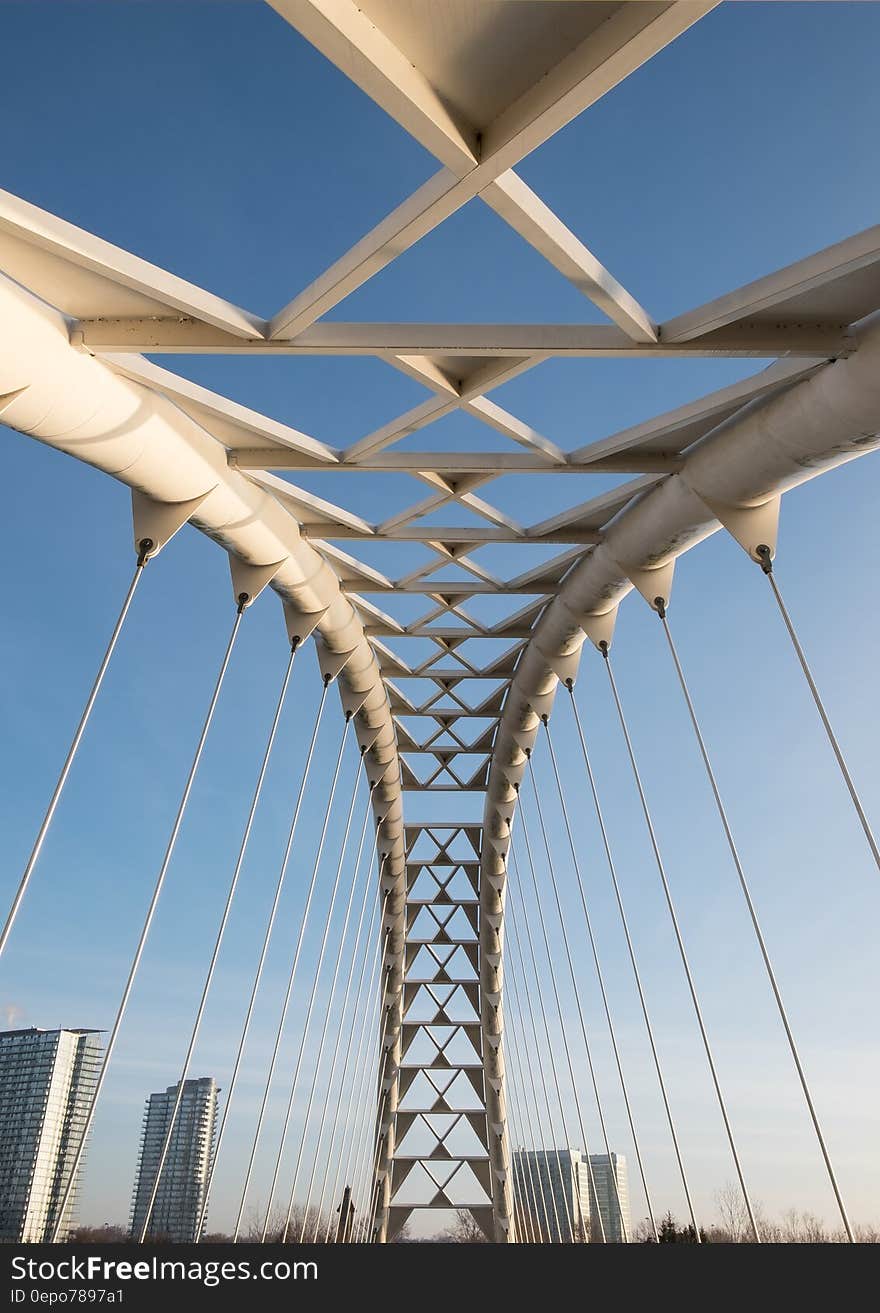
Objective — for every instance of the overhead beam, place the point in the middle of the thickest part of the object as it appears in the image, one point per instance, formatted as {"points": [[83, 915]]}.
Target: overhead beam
{"points": [[227, 420], [476, 156], [74, 249], [381, 630], [493, 463], [452, 533], [459, 588], [528, 215], [184, 336], [418, 215], [344, 33], [769, 295]]}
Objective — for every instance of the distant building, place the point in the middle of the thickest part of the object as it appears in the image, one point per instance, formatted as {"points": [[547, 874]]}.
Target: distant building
{"points": [[47, 1078], [184, 1178], [611, 1204], [554, 1188]]}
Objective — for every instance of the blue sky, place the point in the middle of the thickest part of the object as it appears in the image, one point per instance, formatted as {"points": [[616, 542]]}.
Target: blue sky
{"points": [[246, 164]]}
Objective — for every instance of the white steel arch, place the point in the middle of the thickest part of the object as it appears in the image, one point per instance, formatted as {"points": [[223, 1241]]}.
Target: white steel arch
{"points": [[480, 84]]}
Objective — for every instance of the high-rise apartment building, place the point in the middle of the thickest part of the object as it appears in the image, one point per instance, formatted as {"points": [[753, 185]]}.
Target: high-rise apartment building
{"points": [[552, 1185], [556, 1195], [184, 1178], [610, 1199], [47, 1078]]}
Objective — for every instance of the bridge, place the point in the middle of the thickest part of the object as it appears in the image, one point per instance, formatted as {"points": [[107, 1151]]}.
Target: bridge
{"points": [[446, 910]]}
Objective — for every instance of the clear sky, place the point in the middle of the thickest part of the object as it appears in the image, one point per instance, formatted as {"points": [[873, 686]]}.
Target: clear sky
{"points": [[212, 140]]}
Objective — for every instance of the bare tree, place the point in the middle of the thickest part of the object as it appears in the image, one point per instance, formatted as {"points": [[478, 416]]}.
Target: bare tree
{"points": [[463, 1231], [735, 1225], [253, 1229]]}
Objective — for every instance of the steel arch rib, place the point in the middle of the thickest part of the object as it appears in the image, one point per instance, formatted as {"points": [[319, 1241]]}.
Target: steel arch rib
{"points": [[71, 401], [828, 419]]}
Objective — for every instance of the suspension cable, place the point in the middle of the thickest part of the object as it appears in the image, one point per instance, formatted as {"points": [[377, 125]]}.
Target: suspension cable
{"points": [[756, 925], [368, 1179], [357, 1067], [334, 1062], [511, 1044], [606, 842], [224, 919], [549, 1042], [370, 1169], [523, 1230], [536, 1125], [324, 1029], [148, 921], [524, 1225], [366, 1162], [357, 1162], [355, 1131], [767, 567], [599, 976], [681, 949], [313, 993], [291, 978], [577, 1001], [258, 974], [560, 1016], [144, 549]]}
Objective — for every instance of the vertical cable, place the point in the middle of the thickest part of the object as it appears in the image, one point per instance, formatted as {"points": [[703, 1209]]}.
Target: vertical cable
{"points": [[367, 1176], [767, 567], [559, 1013], [313, 993], [553, 1229], [144, 548], [577, 997], [547, 1236], [549, 1043], [352, 1134], [324, 1028], [523, 1118], [756, 925], [373, 1180], [345, 1065], [221, 931], [368, 1173], [634, 963], [355, 1134], [523, 1230], [681, 949], [160, 880], [291, 978], [337, 1104], [258, 974]]}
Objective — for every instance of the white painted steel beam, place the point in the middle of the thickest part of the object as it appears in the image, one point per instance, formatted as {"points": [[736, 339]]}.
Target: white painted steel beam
{"points": [[476, 157], [184, 336], [79, 405], [828, 418]]}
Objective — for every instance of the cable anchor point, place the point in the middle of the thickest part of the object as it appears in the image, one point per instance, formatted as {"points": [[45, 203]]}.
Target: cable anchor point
{"points": [[145, 547]]}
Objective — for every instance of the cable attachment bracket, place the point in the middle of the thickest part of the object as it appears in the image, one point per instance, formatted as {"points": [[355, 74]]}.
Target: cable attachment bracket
{"points": [[144, 550]]}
